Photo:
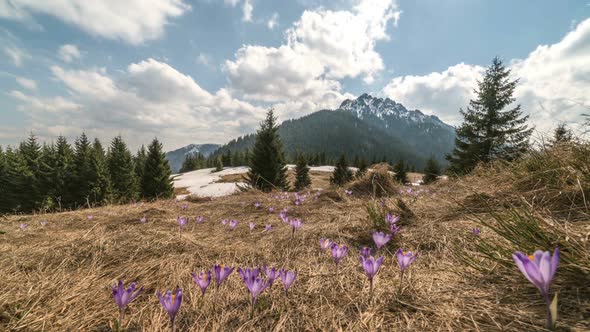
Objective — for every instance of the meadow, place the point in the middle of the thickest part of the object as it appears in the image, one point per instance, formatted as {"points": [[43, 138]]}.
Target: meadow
{"points": [[58, 269]]}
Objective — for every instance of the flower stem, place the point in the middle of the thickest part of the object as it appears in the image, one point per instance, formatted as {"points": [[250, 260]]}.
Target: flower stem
{"points": [[401, 279], [121, 314], [370, 290], [173, 328]]}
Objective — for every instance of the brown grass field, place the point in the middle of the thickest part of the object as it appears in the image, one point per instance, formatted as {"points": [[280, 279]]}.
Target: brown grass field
{"points": [[59, 277]]}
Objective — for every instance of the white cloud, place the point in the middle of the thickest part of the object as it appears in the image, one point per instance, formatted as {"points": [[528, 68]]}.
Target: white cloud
{"points": [[133, 21], [247, 9], [16, 54], [204, 59], [273, 22], [322, 47], [554, 81], [26, 83], [150, 98], [69, 53]]}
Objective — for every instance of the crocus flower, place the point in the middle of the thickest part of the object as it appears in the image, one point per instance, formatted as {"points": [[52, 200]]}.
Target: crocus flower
{"points": [[23, 226], [338, 252], [199, 219], [256, 286], [182, 221], [123, 297], [252, 225], [202, 280], [295, 224], [286, 210], [405, 259], [257, 205], [371, 267], [288, 278], [539, 268], [233, 224], [348, 192], [224, 222], [271, 209], [221, 273], [284, 217], [268, 228], [325, 244], [143, 220], [43, 222], [297, 202], [90, 217], [271, 274], [394, 229], [381, 239], [248, 272], [366, 252], [390, 219], [171, 303], [476, 231], [184, 206]]}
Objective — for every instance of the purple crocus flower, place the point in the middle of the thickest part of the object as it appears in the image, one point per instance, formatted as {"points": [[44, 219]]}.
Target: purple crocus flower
{"points": [[391, 219], [283, 216], [143, 220], [371, 267], [43, 222], [257, 205], [268, 228], [221, 273], [338, 252], [252, 225], [366, 252], [298, 202], [247, 273], [394, 229], [199, 219], [124, 296], [233, 224], [325, 244], [405, 259], [540, 268], [271, 274], [171, 303], [286, 210], [182, 221], [90, 217], [295, 224], [476, 231], [23, 226], [288, 278], [224, 222], [202, 280], [271, 209], [381, 239], [348, 192], [256, 286], [184, 206]]}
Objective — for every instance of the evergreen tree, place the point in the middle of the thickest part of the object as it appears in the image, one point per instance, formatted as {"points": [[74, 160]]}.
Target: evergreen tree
{"points": [[30, 151], [82, 170], [156, 181], [342, 174], [431, 171], [401, 174], [5, 204], [302, 179], [63, 170], [226, 159], [488, 131], [47, 163], [121, 169], [18, 178], [561, 134], [99, 181], [267, 162], [139, 162], [362, 168], [218, 165]]}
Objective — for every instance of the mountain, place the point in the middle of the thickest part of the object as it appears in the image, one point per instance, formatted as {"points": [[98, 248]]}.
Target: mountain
{"points": [[367, 127], [176, 157], [425, 134]]}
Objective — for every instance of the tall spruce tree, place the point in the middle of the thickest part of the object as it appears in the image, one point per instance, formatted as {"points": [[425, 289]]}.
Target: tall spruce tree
{"points": [[30, 151], [46, 180], [5, 204], [139, 162], [561, 134], [156, 181], [100, 183], [267, 160], [122, 171], [401, 173], [489, 131], [63, 169], [362, 168], [18, 177], [302, 179], [342, 174], [431, 170], [82, 170]]}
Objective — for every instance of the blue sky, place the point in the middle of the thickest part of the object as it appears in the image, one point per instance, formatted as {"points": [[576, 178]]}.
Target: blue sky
{"points": [[206, 70]]}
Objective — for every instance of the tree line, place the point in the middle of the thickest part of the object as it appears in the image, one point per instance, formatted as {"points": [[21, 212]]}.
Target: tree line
{"points": [[57, 175]]}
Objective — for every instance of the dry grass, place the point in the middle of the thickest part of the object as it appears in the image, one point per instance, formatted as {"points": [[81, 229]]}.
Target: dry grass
{"points": [[58, 277]]}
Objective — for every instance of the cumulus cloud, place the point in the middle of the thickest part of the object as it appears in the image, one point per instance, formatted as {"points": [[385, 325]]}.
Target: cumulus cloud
{"points": [[321, 48], [247, 9], [16, 54], [148, 99], [143, 19], [553, 84], [26, 83], [69, 53]]}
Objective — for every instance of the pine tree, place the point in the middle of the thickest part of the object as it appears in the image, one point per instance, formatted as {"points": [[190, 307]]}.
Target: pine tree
{"points": [[47, 163], [488, 131], [267, 161], [302, 179], [30, 150], [218, 165], [342, 174], [362, 168], [99, 182], [561, 134], [122, 172], [18, 178], [139, 162], [431, 171], [401, 174], [82, 170], [156, 181], [5, 204], [63, 170]]}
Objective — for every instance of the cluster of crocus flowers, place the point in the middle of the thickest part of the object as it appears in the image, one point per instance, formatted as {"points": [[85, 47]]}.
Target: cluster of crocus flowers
{"points": [[371, 267], [123, 297], [540, 268], [348, 192], [171, 303], [381, 239], [392, 221], [295, 225], [404, 260], [202, 280]]}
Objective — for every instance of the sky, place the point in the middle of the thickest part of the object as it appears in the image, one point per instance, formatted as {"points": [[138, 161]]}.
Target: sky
{"points": [[206, 71]]}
